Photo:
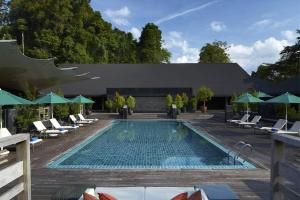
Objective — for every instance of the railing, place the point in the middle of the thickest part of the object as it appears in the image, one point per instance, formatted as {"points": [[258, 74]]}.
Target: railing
{"points": [[285, 178], [19, 171]]}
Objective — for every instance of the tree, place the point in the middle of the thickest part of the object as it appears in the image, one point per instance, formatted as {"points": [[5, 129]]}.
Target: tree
{"points": [[185, 100], [150, 46], [204, 94], [215, 52], [178, 102], [169, 100], [130, 102], [287, 67], [194, 103], [60, 111], [119, 101], [109, 104]]}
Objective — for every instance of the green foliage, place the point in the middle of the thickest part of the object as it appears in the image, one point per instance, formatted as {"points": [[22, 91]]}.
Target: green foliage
{"points": [[60, 111], [194, 103], [130, 102], [74, 108], [291, 112], [109, 104], [215, 52], [237, 107], [150, 46], [26, 114], [204, 94], [185, 99], [169, 100], [288, 66], [69, 30], [178, 101], [119, 101]]}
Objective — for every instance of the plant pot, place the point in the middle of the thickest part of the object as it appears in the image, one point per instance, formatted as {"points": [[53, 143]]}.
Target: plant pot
{"points": [[203, 109]]}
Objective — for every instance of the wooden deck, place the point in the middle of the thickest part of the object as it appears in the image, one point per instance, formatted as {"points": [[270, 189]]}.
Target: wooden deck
{"points": [[248, 184]]}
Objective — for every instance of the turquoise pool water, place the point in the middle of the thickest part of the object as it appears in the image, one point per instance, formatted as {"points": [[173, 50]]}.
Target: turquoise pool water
{"points": [[149, 144]]}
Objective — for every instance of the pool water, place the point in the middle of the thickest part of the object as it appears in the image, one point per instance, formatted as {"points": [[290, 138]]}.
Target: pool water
{"points": [[140, 144]]}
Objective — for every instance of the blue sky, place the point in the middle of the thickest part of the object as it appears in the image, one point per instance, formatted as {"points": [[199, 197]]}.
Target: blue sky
{"points": [[256, 30]]}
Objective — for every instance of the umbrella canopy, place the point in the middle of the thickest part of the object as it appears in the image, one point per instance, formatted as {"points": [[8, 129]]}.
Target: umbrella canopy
{"points": [[286, 99], [248, 98], [7, 98], [81, 99], [263, 95], [52, 98]]}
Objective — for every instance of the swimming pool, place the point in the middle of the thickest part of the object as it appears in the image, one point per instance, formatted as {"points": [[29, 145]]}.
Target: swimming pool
{"points": [[149, 144]]}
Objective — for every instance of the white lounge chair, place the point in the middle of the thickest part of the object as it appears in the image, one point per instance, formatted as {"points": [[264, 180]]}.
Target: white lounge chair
{"points": [[4, 132], [253, 122], [295, 129], [56, 125], [40, 127], [277, 126], [79, 122], [82, 118], [243, 119]]}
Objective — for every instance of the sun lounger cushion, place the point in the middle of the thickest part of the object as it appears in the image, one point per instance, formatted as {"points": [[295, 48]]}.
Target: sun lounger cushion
{"points": [[104, 196], [195, 196], [87, 196], [181, 196]]}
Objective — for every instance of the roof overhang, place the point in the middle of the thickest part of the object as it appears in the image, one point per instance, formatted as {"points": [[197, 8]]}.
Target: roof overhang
{"points": [[18, 71]]}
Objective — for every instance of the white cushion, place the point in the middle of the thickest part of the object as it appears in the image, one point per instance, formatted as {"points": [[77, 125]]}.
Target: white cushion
{"points": [[123, 193], [90, 191], [163, 193]]}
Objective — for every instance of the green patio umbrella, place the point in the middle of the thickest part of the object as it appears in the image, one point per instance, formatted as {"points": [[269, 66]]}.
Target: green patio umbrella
{"points": [[263, 95], [286, 99], [52, 98], [248, 98], [7, 98], [82, 100]]}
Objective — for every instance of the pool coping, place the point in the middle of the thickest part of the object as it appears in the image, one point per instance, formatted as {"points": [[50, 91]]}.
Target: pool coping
{"points": [[55, 162]]}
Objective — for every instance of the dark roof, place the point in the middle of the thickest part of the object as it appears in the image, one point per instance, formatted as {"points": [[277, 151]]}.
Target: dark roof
{"points": [[223, 79]]}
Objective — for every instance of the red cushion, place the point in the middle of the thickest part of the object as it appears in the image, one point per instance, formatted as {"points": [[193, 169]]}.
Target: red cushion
{"points": [[104, 196], [87, 196], [182, 196], [195, 196]]}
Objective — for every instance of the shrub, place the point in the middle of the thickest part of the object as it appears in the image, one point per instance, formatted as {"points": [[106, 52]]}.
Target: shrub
{"points": [[185, 100], [169, 100], [194, 103], [74, 108], [25, 117], [109, 104], [291, 112], [130, 102], [178, 101], [60, 111], [119, 101]]}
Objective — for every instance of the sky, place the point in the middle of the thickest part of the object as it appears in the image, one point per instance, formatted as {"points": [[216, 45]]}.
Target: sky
{"points": [[255, 30]]}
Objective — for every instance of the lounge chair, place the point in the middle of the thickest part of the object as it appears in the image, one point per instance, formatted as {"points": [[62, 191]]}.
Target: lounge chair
{"points": [[56, 125], [295, 129], [4, 132], [79, 122], [40, 127], [253, 122], [277, 126], [81, 117], [243, 119]]}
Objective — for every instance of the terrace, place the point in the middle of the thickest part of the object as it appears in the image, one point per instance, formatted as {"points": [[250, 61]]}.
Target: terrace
{"points": [[247, 184]]}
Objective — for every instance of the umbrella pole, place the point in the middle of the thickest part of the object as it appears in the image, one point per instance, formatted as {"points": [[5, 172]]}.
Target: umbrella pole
{"points": [[286, 117], [51, 111], [0, 116], [247, 112]]}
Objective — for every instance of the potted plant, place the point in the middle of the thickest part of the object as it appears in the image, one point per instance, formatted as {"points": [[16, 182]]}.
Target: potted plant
{"points": [[193, 103], [119, 101], [109, 104], [131, 104], [204, 94], [185, 100], [169, 102], [178, 102]]}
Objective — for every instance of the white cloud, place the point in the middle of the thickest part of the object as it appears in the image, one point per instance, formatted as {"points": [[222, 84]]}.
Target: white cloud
{"points": [[289, 35], [217, 26], [179, 14], [135, 32], [119, 17], [269, 23], [181, 51], [250, 57]]}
